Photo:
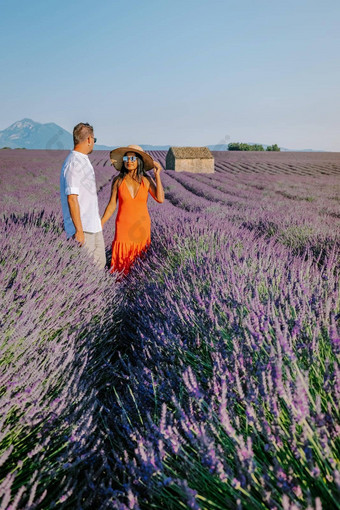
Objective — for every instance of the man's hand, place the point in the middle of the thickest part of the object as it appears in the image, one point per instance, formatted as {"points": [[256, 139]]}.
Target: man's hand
{"points": [[79, 237], [157, 168]]}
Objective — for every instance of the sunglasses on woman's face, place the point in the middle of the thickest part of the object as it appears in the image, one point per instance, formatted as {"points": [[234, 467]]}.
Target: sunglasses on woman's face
{"points": [[130, 158]]}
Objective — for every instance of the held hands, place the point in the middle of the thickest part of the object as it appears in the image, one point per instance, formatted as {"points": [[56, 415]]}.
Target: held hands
{"points": [[79, 237], [157, 168]]}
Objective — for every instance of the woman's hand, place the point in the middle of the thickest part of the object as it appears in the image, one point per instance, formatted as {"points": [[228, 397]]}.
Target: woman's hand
{"points": [[157, 168], [156, 188]]}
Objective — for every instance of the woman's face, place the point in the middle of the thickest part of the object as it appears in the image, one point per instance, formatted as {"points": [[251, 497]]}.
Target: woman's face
{"points": [[129, 164]]}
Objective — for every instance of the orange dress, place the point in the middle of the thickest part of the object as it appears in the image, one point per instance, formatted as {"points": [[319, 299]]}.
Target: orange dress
{"points": [[133, 227]]}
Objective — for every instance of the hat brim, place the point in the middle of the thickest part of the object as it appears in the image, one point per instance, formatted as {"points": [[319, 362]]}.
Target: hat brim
{"points": [[116, 157]]}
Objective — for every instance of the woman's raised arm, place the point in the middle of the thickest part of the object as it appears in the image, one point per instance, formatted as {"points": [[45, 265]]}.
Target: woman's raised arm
{"points": [[156, 188]]}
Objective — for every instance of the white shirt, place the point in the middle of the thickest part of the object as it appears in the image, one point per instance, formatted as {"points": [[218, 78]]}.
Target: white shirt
{"points": [[77, 178]]}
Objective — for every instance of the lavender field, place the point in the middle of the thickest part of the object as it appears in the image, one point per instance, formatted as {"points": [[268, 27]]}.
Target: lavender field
{"points": [[207, 379]]}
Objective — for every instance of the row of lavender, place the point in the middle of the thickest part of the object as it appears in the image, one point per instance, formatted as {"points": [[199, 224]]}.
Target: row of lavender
{"points": [[301, 212], [58, 326], [233, 374], [208, 379], [58, 323], [228, 396]]}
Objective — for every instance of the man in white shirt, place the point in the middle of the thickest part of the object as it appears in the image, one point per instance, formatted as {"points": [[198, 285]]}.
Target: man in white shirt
{"points": [[78, 194]]}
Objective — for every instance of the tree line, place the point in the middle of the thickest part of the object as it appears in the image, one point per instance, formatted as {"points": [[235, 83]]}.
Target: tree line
{"points": [[248, 147]]}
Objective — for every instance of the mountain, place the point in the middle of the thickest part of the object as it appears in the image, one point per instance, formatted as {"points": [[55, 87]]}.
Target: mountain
{"points": [[28, 134], [32, 135]]}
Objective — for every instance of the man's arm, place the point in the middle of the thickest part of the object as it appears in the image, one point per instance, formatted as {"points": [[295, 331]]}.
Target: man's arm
{"points": [[73, 205], [111, 206]]}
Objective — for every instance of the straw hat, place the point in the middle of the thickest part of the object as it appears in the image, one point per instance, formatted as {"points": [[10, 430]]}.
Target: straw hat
{"points": [[116, 156]]}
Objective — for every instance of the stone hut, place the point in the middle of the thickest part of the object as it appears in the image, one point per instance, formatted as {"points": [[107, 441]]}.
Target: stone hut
{"points": [[190, 159]]}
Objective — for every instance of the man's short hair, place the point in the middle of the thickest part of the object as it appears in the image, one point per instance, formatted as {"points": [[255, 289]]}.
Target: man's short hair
{"points": [[81, 131]]}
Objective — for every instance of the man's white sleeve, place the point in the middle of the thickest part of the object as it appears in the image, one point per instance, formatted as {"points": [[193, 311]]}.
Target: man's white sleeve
{"points": [[72, 179]]}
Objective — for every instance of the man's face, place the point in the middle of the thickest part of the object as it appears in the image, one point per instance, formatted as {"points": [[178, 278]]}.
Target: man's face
{"points": [[91, 142]]}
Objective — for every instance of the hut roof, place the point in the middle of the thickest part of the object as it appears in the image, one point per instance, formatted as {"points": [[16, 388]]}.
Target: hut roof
{"points": [[192, 153]]}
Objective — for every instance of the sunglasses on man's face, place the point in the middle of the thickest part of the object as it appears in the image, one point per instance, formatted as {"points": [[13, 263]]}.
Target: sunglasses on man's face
{"points": [[130, 158], [94, 139]]}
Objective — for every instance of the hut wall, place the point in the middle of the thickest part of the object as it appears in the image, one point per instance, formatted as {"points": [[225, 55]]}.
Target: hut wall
{"points": [[198, 166]]}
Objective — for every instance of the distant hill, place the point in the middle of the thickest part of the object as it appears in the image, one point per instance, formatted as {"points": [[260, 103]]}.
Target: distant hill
{"points": [[32, 135], [28, 134]]}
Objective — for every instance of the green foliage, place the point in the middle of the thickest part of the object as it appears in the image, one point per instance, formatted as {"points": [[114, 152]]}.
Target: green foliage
{"points": [[273, 147], [236, 146]]}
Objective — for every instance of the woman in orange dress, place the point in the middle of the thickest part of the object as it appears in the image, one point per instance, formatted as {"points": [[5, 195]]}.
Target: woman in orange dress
{"points": [[131, 189]]}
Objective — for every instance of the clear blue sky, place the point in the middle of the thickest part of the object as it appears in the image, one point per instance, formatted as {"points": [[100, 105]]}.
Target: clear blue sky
{"points": [[179, 72]]}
